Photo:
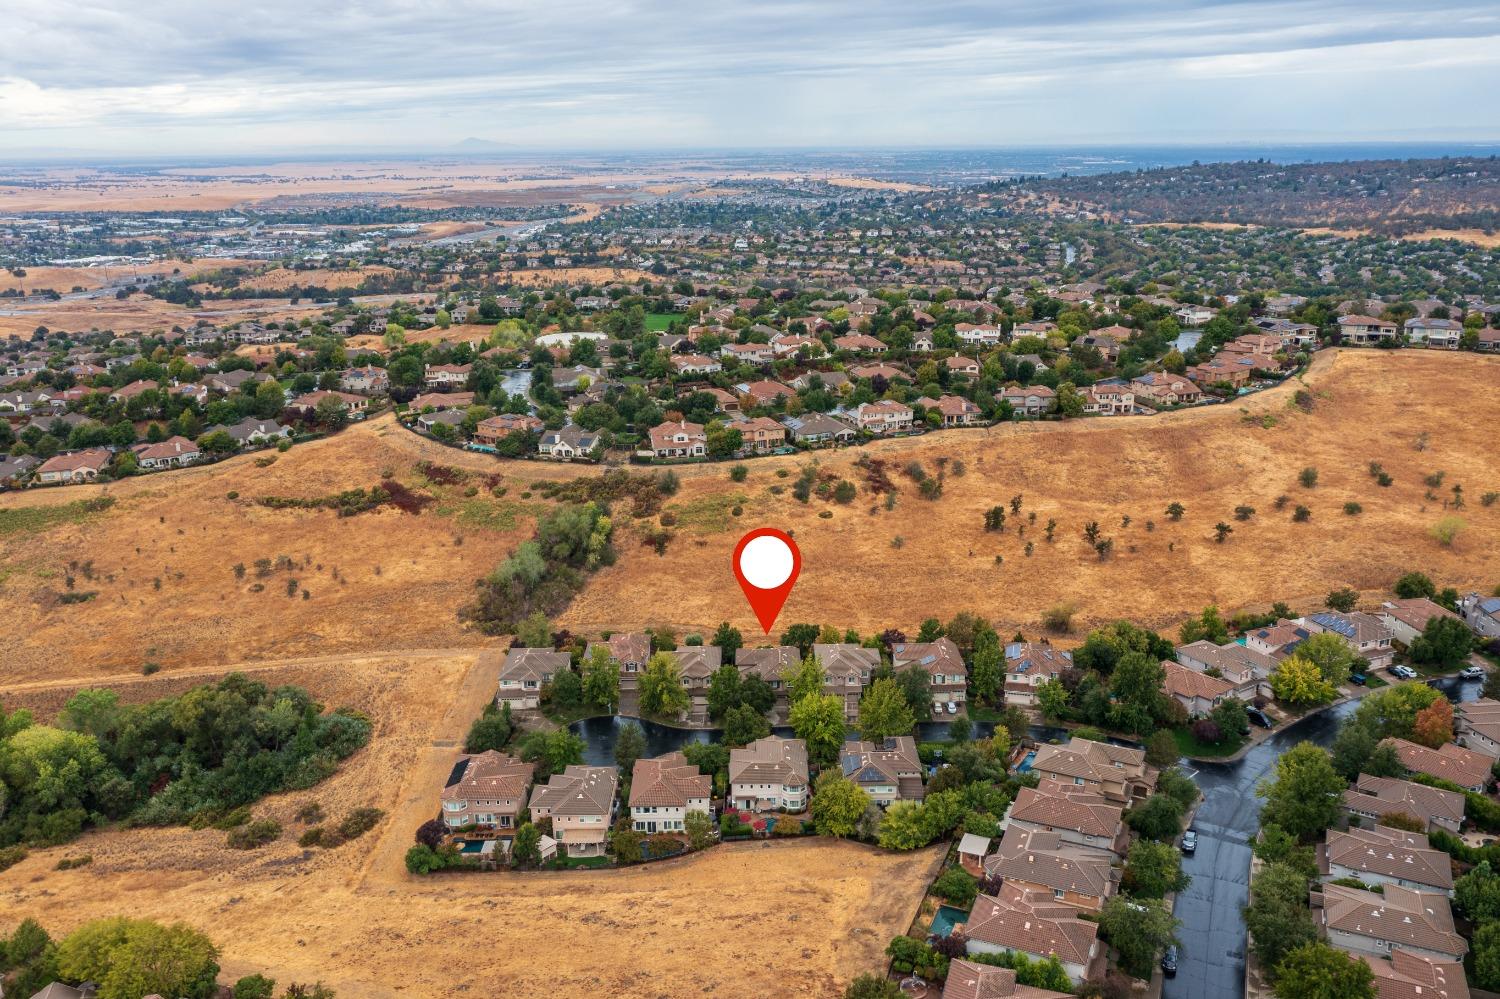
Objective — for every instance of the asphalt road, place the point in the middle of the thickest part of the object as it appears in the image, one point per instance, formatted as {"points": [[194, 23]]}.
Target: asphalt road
{"points": [[1211, 960]]}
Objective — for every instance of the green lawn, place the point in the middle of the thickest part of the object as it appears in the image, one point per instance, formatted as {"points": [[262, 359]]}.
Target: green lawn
{"points": [[657, 322], [1188, 745], [572, 863]]}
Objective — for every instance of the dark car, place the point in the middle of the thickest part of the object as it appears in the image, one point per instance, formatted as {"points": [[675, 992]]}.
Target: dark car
{"points": [[1169, 962], [1258, 717], [1358, 678], [1190, 841]]}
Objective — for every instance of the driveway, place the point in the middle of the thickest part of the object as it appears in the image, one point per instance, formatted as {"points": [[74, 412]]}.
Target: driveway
{"points": [[1212, 957]]}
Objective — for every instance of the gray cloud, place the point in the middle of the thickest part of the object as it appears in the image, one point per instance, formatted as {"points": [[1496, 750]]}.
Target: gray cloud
{"points": [[276, 74]]}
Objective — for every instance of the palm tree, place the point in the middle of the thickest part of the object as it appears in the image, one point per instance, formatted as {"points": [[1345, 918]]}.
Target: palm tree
{"points": [[1222, 531]]}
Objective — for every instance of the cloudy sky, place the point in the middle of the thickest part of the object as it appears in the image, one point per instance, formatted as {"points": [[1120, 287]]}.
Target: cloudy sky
{"points": [[205, 76]]}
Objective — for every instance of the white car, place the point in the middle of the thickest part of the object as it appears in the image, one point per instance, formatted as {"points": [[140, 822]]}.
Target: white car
{"points": [[1473, 673], [1404, 672], [953, 707]]}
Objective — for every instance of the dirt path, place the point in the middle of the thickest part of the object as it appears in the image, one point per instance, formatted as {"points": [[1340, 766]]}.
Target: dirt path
{"points": [[386, 864]]}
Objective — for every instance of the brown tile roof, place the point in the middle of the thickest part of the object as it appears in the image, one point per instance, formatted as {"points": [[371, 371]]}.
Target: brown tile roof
{"points": [[1481, 716], [668, 781], [1030, 922], [578, 790], [699, 661], [1387, 796], [967, 980], [1393, 853], [533, 664], [767, 663], [627, 646], [490, 773], [1408, 975], [1420, 919], [772, 760], [941, 656], [1464, 767], [1099, 761], [1183, 682], [1037, 857], [1057, 806]]}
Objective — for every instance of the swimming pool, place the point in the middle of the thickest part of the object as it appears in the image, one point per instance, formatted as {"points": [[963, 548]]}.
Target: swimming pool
{"points": [[1025, 766], [945, 919]]}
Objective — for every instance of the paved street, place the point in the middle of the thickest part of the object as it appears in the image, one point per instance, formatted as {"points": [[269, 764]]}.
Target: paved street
{"points": [[1212, 958]]}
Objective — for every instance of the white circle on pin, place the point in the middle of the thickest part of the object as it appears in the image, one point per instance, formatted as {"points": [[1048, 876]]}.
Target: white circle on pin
{"points": [[766, 562]]}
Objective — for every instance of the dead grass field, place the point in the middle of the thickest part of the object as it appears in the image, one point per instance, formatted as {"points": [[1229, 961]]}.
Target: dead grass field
{"points": [[282, 278], [573, 275], [1371, 406], [353, 918], [65, 279]]}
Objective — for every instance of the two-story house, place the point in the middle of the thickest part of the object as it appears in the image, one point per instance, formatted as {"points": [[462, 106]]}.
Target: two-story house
{"points": [[1478, 726], [888, 771], [1119, 773], [1028, 665], [1363, 922], [1039, 860], [944, 665], [847, 669], [1021, 921], [1371, 799], [486, 790], [769, 775], [664, 790], [580, 801], [1081, 819], [525, 673], [1386, 856]]}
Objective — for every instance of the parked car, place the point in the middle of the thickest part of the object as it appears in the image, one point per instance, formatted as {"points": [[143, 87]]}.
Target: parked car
{"points": [[1169, 962], [1404, 672], [1190, 841], [1472, 673], [1358, 679], [1259, 717], [953, 707]]}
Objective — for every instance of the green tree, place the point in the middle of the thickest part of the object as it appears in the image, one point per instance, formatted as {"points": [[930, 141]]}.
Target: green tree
{"points": [[1159, 817], [130, 958], [625, 843], [1206, 627], [700, 830], [838, 805], [905, 827], [491, 730], [1477, 894], [601, 679], [1153, 869], [1445, 642], [525, 848], [1415, 584], [728, 639], [661, 689], [885, 712], [743, 725], [1318, 971], [534, 631], [872, 986], [1344, 599], [630, 745], [917, 685], [1487, 956], [1052, 697], [1331, 654], [987, 677], [1305, 796], [1298, 681], [803, 680], [566, 689], [1139, 930], [552, 752], [1161, 749], [723, 691], [255, 987], [818, 720]]}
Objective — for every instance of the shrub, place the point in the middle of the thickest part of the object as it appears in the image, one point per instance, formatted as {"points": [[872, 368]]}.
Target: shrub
{"points": [[956, 885], [1352, 508], [310, 813], [1059, 619], [738, 473], [1308, 477], [1301, 514], [69, 863], [10, 856], [1446, 531], [359, 822], [254, 835], [311, 837]]}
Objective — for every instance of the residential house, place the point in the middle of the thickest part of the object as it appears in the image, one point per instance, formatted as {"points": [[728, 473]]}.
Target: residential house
{"points": [[439, 401], [1468, 769], [1109, 400], [953, 410], [1408, 975], [1194, 315], [1020, 921], [768, 665], [1406, 618], [979, 335], [817, 429], [1081, 819], [696, 665], [1119, 773], [679, 439], [174, 452], [768, 775], [1033, 400], [486, 790], [445, 376], [664, 790], [695, 364], [1478, 725], [580, 801], [890, 771], [1197, 692], [1438, 334], [628, 650], [1248, 669], [1363, 922], [525, 673], [749, 353], [353, 405], [1028, 665], [764, 392], [967, 980], [1217, 371], [943, 663], [75, 466], [1482, 614], [1373, 798], [366, 381], [859, 343], [1366, 634], [1276, 641], [1039, 860], [1166, 389], [847, 669], [13, 469], [253, 431], [576, 378], [451, 418], [881, 417], [887, 372], [127, 392], [491, 431], [1105, 341], [960, 365], [1387, 856], [567, 443], [759, 433], [1363, 331]]}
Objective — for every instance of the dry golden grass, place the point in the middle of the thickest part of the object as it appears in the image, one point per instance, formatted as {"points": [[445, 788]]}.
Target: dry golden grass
{"points": [[572, 275], [283, 278], [1371, 406], [353, 918]]}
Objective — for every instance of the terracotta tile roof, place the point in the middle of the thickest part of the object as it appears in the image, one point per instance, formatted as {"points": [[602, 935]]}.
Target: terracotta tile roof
{"points": [[667, 781], [1408, 975], [1030, 922], [578, 791], [1464, 767], [772, 760], [939, 657], [533, 664], [1183, 682], [1393, 853], [1387, 795], [490, 773], [967, 980], [1420, 919], [1057, 806], [1038, 857]]}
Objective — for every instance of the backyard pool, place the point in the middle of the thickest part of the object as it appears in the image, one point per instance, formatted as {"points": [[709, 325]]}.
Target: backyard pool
{"points": [[1025, 766], [945, 919]]}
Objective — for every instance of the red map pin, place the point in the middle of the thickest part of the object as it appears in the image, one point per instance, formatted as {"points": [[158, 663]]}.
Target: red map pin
{"points": [[766, 563]]}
